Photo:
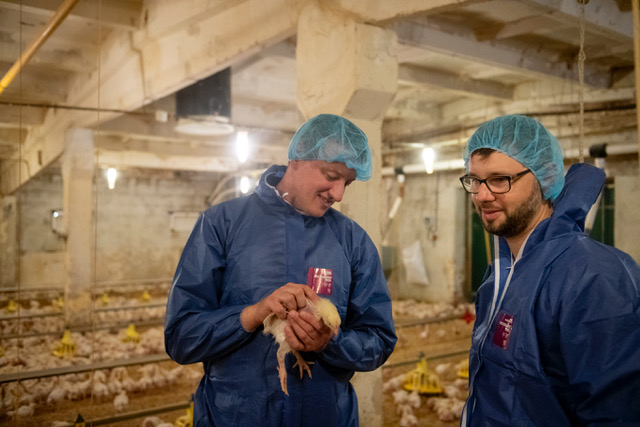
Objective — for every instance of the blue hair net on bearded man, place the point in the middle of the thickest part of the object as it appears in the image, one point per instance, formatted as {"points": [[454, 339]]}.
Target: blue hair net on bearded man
{"points": [[527, 141], [333, 138]]}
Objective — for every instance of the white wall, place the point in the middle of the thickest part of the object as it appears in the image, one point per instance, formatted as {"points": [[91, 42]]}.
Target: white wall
{"points": [[627, 215], [133, 234], [440, 198], [432, 213]]}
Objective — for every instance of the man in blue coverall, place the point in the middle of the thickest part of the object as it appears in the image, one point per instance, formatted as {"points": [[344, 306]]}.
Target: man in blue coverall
{"points": [[267, 253], [557, 336]]}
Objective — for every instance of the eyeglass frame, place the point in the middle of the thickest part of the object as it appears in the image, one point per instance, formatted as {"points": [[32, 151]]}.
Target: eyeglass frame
{"points": [[510, 179]]}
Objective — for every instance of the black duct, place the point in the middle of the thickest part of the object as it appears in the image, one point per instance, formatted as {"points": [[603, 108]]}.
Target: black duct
{"points": [[205, 106]]}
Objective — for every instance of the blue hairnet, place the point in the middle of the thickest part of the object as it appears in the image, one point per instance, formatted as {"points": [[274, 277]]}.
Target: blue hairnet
{"points": [[527, 141], [332, 138]]}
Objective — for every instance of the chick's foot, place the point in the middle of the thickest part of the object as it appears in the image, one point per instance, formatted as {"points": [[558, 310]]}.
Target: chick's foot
{"points": [[302, 364]]}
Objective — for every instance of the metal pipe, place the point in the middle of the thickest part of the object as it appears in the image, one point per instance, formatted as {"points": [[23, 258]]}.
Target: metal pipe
{"points": [[419, 322], [432, 357], [132, 415], [130, 307], [121, 325], [458, 164], [15, 289], [109, 284], [29, 316], [610, 150], [442, 165], [56, 20], [76, 369]]}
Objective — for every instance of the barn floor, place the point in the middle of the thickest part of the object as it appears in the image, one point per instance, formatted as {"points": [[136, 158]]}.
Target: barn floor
{"points": [[445, 344], [440, 333]]}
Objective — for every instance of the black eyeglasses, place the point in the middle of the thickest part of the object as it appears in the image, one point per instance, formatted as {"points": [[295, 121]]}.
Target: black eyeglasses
{"points": [[497, 184]]}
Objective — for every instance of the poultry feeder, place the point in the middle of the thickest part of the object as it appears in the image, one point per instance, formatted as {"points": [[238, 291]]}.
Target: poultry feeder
{"points": [[11, 307], [80, 422], [66, 347], [146, 297], [58, 303], [104, 300], [422, 379], [131, 335], [187, 419], [463, 368]]}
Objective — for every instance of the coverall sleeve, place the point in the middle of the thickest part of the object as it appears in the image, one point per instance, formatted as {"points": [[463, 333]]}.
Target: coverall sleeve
{"points": [[600, 343], [367, 337], [197, 328]]}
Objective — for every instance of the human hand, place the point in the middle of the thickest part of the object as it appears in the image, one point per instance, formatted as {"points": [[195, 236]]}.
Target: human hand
{"points": [[290, 297], [305, 332]]}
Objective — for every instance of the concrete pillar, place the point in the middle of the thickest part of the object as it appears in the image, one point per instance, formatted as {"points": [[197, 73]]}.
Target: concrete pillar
{"points": [[77, 193], [626, 220], [9, 242], [350, 69]]}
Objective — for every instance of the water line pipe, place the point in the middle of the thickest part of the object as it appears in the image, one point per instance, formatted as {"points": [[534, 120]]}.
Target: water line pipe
{"points": [[56, 20]]}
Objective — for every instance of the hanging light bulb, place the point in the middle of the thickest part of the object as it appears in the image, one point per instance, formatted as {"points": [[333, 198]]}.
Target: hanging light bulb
{"points": [[429, 156], [242, 146], [112, 174], [244, 184]]}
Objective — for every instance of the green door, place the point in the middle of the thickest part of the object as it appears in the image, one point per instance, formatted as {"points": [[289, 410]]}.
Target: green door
{"points": [[481, 251], [603, 226]]}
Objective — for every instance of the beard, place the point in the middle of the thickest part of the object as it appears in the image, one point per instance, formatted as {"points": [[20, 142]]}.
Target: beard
{"points": [[518, 220]]}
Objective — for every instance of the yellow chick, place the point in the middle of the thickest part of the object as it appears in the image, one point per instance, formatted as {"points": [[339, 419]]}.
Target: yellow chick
{"points": [[323, 310]]}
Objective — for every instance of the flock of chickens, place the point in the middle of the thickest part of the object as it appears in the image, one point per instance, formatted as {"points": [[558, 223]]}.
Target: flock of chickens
{"points": [[32, 339], [38, 336]]}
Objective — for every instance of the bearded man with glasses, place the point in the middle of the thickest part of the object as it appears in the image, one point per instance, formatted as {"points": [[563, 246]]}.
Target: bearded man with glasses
{"points": [[557, 335]]}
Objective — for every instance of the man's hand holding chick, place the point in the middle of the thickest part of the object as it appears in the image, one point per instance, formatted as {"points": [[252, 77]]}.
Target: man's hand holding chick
{"points": [[305, 332], [292, 296]]}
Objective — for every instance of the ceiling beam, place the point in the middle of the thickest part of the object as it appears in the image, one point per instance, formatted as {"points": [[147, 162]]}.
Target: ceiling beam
{"points": [[459, 115], [455, 83], [127, 150], [203, 43], [538, 24], [123, 14], [512, 55], [49, 57], [36, 86], [161, 60], [16, 116], [603, 17], [385, 10]]}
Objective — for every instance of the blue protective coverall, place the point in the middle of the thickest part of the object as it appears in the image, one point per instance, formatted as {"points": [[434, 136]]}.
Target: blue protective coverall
{"points": [[239, 252], [557, 336]]}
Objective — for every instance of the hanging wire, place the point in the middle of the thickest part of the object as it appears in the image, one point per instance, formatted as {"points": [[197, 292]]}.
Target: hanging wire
{"points": [[581, 58], [94, 268], [18, 204]]}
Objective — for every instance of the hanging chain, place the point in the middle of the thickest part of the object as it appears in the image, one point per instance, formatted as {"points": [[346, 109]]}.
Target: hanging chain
{"points": [[581, 58]]}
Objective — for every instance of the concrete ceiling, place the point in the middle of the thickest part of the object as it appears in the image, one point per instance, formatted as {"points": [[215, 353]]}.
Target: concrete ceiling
{"points": [[115, 66]]}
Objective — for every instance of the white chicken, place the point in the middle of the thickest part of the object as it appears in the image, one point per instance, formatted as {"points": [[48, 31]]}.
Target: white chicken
{"points": [[324, 310], [121, 401]]}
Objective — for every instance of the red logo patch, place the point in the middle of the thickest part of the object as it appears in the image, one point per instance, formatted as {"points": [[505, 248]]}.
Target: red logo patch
{"points": [[503, 330], [320, 280]]}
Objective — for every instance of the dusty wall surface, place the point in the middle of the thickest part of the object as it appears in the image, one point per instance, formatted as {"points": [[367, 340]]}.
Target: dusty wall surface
{"points": [[432, 213], [135, 238], [436, 206], [627, 219], [140, 227]]}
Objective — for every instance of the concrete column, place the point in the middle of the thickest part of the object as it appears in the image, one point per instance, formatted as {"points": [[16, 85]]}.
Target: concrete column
{"points": [[9, 242], [350, 69], [627, 221], [77, 192]]}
